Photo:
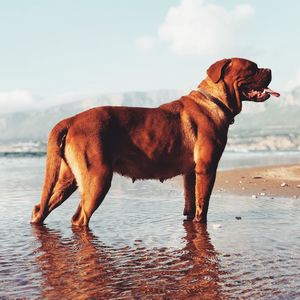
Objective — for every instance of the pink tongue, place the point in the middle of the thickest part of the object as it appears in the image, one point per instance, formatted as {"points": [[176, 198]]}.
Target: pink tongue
{"points": [[269, 91]]}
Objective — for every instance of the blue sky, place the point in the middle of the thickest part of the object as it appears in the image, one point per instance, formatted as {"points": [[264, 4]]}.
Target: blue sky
{"points": [[69, 47]]}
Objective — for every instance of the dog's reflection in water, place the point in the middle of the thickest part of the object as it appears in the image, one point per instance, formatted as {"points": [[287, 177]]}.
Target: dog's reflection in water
{"points": [[81, 266], [71, 266]]}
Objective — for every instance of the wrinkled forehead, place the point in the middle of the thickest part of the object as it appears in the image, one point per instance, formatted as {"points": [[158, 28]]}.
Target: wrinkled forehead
{"points": [[244, 64]]}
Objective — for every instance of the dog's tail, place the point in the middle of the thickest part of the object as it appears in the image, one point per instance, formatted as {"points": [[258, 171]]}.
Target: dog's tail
{"points": [[55, 153]]}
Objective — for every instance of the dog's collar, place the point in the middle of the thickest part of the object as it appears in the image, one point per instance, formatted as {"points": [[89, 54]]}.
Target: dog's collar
{"points": [[219, 103]]}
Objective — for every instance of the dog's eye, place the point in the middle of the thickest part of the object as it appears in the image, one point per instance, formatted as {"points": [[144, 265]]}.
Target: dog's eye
{"points": [[250, 71]]}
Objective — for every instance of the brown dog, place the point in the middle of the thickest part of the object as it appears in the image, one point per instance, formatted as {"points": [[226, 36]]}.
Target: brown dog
{"points": [[184, 137]]}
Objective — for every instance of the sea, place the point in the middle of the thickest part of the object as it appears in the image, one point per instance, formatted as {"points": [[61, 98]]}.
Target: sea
{"points": [[138, 245]]}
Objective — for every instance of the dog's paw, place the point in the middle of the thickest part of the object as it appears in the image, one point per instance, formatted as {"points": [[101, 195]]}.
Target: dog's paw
{"points": [[36, 216], [201, 220], [190, 214]]}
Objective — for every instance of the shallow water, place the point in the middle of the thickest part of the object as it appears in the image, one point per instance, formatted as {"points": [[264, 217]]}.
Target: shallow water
{"points": [[138, 246]]}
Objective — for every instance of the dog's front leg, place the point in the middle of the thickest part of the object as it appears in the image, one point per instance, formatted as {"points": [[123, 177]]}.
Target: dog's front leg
{"points": [[189, 181], [205, 179]]}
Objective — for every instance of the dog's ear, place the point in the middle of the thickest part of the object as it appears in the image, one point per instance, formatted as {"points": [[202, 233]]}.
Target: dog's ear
{"points": [[216, 70]]}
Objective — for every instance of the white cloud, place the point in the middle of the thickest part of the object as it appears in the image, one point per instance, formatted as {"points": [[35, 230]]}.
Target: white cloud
{"points": [[16, 101], [197, 27], [145, 42], [295, 82]]}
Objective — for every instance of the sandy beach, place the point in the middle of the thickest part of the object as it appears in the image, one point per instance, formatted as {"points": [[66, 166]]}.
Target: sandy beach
{"points": [[270, 181]]}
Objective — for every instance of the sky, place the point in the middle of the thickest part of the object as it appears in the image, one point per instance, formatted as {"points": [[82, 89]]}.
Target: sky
{"points": [[59, 49]]}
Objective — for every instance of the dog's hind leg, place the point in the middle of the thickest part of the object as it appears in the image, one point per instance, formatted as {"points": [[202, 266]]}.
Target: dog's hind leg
{"points": [[55, 153], [95, 186], [63, 189]]}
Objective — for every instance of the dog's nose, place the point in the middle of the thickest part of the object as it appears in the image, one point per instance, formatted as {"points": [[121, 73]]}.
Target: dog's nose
{"points": [[269, 74]]}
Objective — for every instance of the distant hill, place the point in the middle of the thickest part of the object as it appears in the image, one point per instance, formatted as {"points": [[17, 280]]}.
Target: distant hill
{"points": [[272, 125], [35, 125]]}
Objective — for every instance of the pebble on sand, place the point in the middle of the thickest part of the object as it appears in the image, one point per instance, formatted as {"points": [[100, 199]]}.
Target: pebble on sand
{"points": [[216, 226], [284, 184]]}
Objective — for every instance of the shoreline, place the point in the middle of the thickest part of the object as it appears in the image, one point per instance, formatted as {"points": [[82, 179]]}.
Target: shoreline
{"points": [[267, 181]]}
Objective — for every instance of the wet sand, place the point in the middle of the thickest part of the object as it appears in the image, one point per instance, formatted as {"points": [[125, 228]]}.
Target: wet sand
{"points": [[273, 181]]}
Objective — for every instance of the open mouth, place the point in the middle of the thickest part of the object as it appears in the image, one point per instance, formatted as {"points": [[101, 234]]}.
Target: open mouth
{"points": [[259, 95]]}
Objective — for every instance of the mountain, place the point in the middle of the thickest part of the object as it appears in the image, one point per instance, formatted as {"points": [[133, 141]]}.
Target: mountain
{"points": [[34, 125], [273, 125]]}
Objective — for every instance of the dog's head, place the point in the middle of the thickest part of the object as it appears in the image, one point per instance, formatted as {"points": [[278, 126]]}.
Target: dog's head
{"points": [[242, 80]]}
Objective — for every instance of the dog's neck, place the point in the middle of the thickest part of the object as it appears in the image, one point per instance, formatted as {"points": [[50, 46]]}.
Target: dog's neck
{"points": [[227, 111], [220, 91]]}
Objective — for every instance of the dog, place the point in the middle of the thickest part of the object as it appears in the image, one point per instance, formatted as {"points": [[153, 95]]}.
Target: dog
{"points": [[184, 137]]}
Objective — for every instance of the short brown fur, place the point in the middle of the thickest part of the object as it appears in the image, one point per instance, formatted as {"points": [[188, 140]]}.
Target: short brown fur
{"points": [[184, 137]]}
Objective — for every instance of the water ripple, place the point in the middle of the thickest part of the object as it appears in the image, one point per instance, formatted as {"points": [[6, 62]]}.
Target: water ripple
{"points": [[139, 248]]}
